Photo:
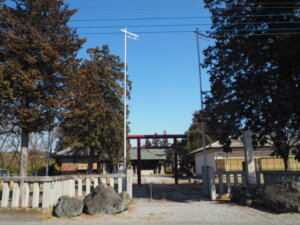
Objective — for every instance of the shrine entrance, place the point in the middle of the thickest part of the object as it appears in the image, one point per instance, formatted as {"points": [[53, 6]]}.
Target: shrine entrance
{"points": [[172, 147]]}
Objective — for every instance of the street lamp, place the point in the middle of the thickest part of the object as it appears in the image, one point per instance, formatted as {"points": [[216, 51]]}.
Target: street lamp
{"points": [[130, 35]]}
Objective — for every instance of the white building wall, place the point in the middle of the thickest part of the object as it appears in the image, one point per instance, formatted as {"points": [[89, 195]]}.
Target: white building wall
{"points": [[199, 161]]}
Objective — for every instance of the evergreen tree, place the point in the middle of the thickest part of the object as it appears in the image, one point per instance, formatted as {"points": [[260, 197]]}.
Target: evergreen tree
{"points": [[94, 116], [254, 72], [155, 141], [37, 54], [193, 142], [147, 143]]}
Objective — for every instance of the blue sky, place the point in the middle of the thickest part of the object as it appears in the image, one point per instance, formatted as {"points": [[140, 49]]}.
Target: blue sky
{"points": [[162, 66]]}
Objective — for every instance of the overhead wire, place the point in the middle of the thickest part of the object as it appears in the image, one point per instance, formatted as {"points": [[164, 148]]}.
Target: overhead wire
{"points": [[149, 32], [157, 18], [212, 36], [153, 25]]}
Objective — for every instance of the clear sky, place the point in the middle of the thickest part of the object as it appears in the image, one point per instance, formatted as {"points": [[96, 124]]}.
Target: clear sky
{"points": [[162, 66]]}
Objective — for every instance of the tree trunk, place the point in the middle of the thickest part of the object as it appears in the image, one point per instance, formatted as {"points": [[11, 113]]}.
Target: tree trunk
{"points": [[24, 153], [90, 163], [286, 162]]}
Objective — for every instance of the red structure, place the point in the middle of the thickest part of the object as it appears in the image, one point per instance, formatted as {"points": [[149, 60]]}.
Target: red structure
{"points": [[166, 136]]}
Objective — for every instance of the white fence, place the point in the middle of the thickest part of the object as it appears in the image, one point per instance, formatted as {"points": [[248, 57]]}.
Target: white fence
{"points": [[271, 177], [218, 184], [224, 181], [44, 192]]}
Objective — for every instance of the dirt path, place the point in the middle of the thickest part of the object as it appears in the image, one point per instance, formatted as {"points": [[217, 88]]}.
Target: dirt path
{"points": [[173, 205], [171, 212]]}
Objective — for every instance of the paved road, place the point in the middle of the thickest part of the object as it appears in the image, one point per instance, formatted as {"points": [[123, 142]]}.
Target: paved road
{"points": [[157, 212]]}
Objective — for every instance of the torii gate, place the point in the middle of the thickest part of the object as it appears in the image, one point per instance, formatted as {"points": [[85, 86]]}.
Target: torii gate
{"points": [[139, 137]]}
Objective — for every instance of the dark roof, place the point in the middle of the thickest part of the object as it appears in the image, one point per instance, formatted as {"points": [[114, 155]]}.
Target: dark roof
{"points": [[146, 154], [73, 151], [149, 154]]}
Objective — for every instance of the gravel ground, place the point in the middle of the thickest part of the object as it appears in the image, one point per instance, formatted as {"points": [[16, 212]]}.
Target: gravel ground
{"points": [[171, 205], [169, 212]]}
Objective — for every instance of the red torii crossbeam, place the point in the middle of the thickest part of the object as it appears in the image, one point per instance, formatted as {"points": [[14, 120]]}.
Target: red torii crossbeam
{"points": [[168, 136]]}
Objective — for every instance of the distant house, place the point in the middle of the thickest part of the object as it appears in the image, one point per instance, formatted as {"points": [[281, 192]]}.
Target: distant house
{"points": [[234, 161], [153, 161], [4, 172], [75, 161]]}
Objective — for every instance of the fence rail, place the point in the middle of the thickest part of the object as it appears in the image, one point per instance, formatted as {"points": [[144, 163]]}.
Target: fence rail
{"points": [[225, 180], [218, 184], [44, 192], [272, 177]]}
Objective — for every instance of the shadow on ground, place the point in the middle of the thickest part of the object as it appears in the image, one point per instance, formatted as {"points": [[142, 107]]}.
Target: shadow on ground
{"points": [[169, 192]]}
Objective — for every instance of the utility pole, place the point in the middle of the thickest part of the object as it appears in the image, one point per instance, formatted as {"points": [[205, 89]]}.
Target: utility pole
{"points": [[130, 35], [201, 101]]}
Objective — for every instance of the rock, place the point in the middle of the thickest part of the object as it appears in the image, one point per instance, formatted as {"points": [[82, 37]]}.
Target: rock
{"points": [[283, 197], [126, 200], [251, 195], [103, 200], [68, 207]]}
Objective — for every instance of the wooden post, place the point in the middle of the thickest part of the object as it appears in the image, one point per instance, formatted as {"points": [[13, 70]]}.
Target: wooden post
{"points": [[176, 161], [139, 163]]}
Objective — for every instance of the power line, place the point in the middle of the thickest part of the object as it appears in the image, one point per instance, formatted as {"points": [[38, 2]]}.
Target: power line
{"points": [[145, 26], [161, 32], [212, 36], [160, 18], [157, 32]]}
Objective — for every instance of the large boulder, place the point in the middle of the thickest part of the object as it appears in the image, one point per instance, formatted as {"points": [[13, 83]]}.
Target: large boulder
{"points": [[250, 195], [68, 207], [104, 200], [283, 197], [126, 200]]}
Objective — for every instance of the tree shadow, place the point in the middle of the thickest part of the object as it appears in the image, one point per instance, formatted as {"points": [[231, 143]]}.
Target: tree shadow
{"points": [[169, 192]]}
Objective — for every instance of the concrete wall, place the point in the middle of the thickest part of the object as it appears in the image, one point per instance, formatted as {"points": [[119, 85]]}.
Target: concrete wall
{"points": [[199, 161]]}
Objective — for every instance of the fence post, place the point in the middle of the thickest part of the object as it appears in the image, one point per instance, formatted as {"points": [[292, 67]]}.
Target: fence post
{"points": [[16, 195], [120, 185], [211, 183], [46, 195], [36, 195], [25, 195], [228, 183], [204, 181], [249, 158], [79, 194], [103, 181], [95, 182], [208, 181], [5, 194], [87, 186], [129, 182], [221, 190]]}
